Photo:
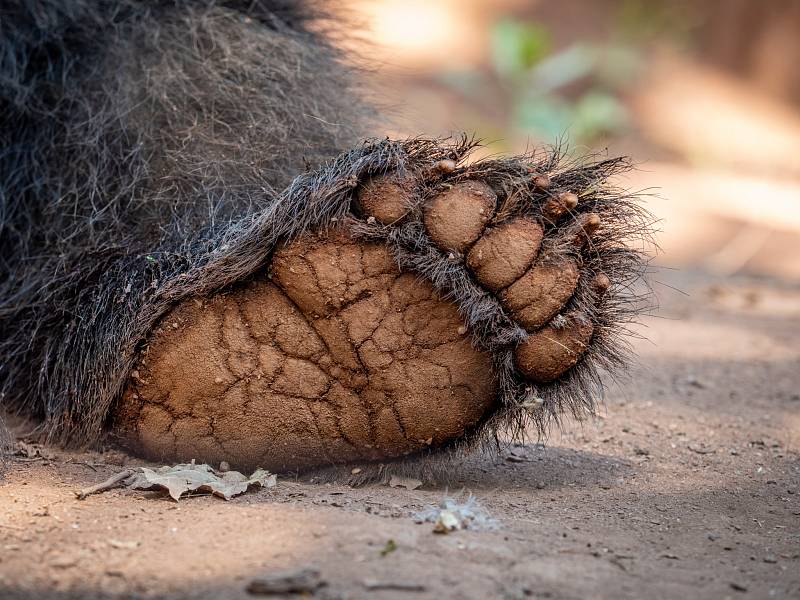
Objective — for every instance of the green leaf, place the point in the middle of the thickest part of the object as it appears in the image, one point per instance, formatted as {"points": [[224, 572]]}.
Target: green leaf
{"points": [[598, 113], [516, 46], [547, 116], [390, 547], [565, 67]]}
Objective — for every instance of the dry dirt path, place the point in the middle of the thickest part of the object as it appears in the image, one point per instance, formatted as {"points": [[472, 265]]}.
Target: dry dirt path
{"points": [[688, 486]]}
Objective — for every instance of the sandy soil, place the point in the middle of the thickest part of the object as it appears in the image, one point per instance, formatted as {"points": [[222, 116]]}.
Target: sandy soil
{"points": [[686, 486]]}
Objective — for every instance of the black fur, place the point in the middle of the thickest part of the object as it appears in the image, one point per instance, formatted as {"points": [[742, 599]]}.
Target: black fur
{"points": [[134, 136], [145, 145]]}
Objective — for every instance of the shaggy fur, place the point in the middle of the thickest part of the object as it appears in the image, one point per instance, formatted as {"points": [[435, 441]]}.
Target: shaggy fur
{"points": [[133, 183], [135, 135]]}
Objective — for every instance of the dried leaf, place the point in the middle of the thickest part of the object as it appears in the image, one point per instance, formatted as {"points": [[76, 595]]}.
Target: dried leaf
{"points": [[181, 479], [404, 482]]}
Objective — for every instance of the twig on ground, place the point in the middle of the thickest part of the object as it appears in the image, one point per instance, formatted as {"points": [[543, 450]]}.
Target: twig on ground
{"points": [[108, 484], [83, 463]]}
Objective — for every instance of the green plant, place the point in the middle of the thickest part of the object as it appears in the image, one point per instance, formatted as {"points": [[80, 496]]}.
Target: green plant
{"points": [[573, 92]]}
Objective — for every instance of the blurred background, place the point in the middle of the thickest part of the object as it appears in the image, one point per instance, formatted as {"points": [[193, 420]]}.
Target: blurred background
{"points": [[704, 95]]}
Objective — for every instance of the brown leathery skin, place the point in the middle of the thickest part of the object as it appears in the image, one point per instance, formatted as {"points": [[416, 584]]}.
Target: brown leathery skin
{"points": [[539, 295], [339, 358], [503, 253], [456, 218], [387, 198], [551, 351]]}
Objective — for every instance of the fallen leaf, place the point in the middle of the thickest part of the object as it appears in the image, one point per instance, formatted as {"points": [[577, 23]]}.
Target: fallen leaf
{"points": [[390, 547], [181, 479], [408, 483]]}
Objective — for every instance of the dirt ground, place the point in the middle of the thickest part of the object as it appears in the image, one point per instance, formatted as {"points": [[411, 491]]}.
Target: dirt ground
{"points": [[687, 485]]}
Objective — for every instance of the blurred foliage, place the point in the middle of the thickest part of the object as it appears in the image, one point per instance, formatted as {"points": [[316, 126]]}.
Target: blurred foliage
{"points": [[517, 47], [640, 21], [547, 92], [573, 92]]}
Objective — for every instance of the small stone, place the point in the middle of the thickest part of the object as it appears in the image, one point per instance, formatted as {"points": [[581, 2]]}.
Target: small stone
{"points": [[400, 586], [738, 587], [300, 581], [701, 449], [123, 545], [515, 459], [355, 471], [695, 382]]}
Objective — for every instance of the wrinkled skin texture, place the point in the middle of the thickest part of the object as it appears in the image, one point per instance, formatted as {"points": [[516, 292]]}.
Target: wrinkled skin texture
{"points": [[334, 355], [340, 358]]}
